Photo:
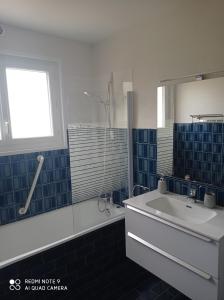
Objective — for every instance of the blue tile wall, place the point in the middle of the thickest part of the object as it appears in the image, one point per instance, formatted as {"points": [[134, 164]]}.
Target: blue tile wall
{"points": [[144, 158], [53, 189], [182, 187], [120, 195], [144, 163], [199, 152]]}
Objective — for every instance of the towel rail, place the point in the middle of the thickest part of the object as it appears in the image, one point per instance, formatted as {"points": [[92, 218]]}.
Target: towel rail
{"points": [[23, 210]]}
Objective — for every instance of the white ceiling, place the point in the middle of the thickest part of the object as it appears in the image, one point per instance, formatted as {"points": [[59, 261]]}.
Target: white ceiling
{"points": [[86, 20]]}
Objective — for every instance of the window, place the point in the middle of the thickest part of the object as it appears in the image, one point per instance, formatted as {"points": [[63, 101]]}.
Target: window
{"points": [[30, 108], [161, 107]]}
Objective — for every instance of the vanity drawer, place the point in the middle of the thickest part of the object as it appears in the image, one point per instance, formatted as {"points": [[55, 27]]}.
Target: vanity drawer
{"points": [[183, 279], [192, 250]]}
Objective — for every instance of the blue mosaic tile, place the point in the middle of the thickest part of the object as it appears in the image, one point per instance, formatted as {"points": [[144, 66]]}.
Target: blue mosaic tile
{"points": [[49, 190], [180, 186], [5, 185], [152, 151], [189, 136], [47, 177], [37, 207], [217, 127], [20, 182], [198, 148], [144, 158], [142, 136], [142, 150], [152, 136], [50, 203], [16, 177], [5, 170]]}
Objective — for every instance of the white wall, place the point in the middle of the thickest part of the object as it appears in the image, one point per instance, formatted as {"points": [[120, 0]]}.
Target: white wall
{"points": [[181, 38], [199, 97], [75, 60]]}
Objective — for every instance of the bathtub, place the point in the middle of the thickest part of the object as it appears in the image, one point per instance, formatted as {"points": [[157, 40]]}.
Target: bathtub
{"points": [[28, 237]]}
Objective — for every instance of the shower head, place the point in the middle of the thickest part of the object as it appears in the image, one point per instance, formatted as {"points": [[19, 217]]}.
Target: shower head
{"points": [[96, 98], [86, 94]]}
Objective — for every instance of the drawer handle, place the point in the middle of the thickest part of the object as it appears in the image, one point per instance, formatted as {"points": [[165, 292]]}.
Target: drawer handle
{"points": [[170, 224], [171, 257]]}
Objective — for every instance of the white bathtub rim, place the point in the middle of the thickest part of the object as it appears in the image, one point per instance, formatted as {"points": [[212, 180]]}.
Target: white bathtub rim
{"points": [[20, 257]]}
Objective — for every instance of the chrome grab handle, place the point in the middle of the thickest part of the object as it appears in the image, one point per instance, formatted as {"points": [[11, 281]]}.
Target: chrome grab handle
{"points": [[23, 210], [178, 261]]}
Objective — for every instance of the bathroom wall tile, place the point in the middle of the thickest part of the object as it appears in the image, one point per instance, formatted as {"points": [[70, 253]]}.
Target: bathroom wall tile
{"points": [[7, 214], [207, 137], [142, 136], [5, 185], [217, 127], [37, 207], [5, 170], [180, 186], [203, 162], [144, 159], [6, 199], [152, 166], [50, 203], [152, 136], [152, 153], [199, 150], [189, 136], [16, 177], [217, 148]]}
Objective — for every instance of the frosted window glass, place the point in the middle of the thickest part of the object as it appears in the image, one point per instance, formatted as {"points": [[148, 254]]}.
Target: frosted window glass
{"points": [[29, 103]]}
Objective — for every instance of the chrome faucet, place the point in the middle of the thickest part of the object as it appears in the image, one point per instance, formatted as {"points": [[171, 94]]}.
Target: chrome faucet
{"points": [[145, 188], [192, 194]]}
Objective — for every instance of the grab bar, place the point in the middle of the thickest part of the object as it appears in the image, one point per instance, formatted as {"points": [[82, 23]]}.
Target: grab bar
{"points": [[24, 209]]}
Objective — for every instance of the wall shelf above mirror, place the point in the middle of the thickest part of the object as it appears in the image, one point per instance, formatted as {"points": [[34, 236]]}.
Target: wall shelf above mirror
{"points": [[207, 118], [191, 140]]}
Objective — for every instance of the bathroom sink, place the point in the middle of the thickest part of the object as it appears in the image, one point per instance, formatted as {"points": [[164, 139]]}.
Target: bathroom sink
{"points": [[183, 210]]}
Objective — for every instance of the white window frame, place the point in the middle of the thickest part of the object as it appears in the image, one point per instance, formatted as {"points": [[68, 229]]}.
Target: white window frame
{"points": [[14, 146]]}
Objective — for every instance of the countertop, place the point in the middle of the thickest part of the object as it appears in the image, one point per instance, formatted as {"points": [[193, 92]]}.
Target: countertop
{"points": [[213, 228]]}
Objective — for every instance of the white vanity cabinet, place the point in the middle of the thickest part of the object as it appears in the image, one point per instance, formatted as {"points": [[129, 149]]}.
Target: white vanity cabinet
{"points": [[189, 261]]}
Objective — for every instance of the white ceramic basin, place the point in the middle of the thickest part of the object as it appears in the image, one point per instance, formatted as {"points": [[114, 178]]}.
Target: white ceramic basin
{"points": [[192, 213]]}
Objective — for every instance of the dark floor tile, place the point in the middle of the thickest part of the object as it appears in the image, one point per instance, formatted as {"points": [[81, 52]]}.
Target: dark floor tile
{"points": [[147, 284], [174, 291], [165, 296], [160, 287], [131, 295], [181, 297], [147, 295]]}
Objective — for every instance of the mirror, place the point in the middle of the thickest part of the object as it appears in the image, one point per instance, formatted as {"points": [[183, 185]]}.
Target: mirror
{"points": [[190, 137]]}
